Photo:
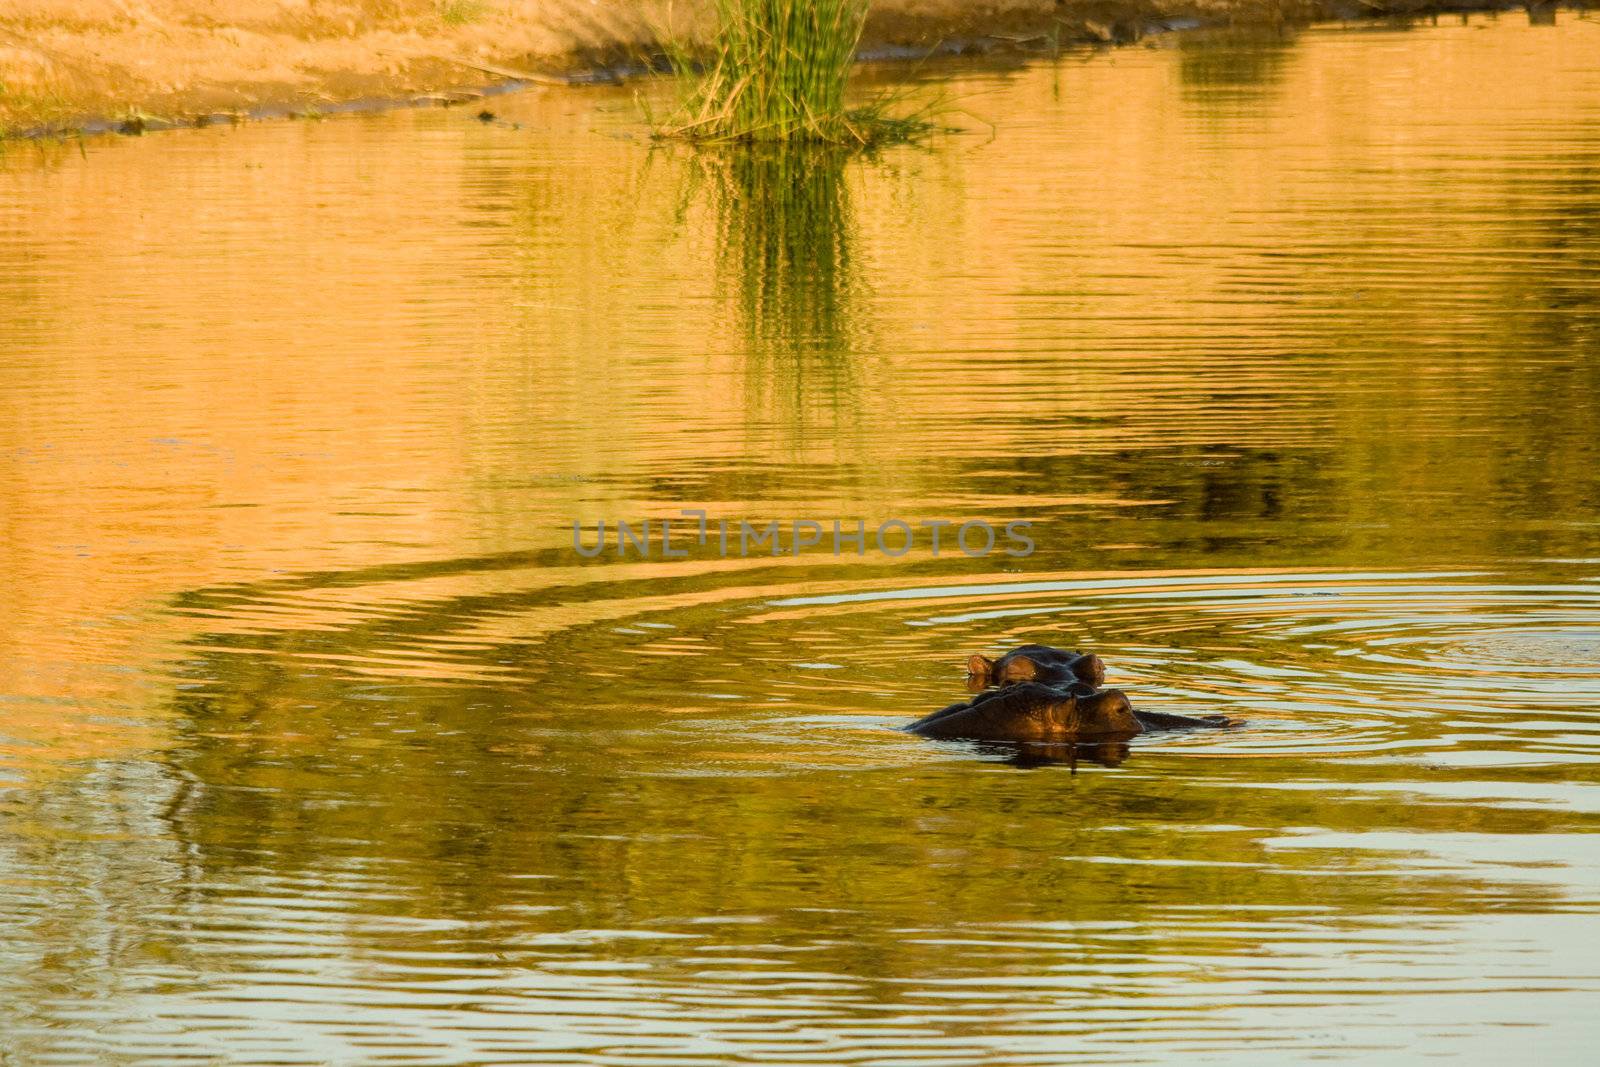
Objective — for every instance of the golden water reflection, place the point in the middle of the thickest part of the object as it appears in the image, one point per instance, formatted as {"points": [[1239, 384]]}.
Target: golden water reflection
{"points": [[318, 743]]}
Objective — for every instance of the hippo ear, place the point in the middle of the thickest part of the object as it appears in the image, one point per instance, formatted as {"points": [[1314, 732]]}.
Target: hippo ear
{"points": [[980, 673], [1091, 669]]}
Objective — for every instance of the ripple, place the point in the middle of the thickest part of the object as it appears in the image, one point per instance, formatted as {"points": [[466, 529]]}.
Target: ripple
{"points": [[1468, 666], [1319, 662]]}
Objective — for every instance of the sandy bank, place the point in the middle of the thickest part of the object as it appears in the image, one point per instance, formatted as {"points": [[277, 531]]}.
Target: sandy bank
{"points": [[67, 64]]}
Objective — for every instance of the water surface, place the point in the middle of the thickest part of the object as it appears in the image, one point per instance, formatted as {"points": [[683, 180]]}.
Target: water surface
{"points": [[319, 744]]}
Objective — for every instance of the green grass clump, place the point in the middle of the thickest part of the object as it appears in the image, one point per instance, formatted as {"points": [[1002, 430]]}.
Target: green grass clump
{"points": [[461, 12], [776, 72]]}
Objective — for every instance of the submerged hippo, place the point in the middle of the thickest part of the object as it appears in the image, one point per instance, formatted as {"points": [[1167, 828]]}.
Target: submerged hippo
{"points": [[1036, 663], [1047, 695]]}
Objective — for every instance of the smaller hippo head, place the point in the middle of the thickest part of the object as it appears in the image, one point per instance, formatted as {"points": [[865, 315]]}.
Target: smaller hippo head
{"points": [[1059, 667]]}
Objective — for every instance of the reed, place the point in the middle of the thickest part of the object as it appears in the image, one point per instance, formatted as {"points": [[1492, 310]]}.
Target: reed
{"points": [[776, 72]]}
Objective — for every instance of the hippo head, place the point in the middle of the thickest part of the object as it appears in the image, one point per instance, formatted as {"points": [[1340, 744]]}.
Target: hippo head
{"points": [[1049, 714], [1106, 713], [1058, 667]]}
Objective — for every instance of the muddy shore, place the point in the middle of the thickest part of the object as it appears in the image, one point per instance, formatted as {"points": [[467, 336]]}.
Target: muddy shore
{"points": [[137, 65]]}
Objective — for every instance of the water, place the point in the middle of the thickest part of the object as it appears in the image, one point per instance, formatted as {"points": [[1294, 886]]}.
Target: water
{"points": [[319, 744]]}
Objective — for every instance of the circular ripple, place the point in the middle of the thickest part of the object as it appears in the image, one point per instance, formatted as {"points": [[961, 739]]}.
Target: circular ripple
{"points": [[1439, 666], [1528, 649], [1444, 666]]}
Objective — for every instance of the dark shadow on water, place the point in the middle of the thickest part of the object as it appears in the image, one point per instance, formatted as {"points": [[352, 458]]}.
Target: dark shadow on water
{"points": [[1032, 756], [1233, 65]]}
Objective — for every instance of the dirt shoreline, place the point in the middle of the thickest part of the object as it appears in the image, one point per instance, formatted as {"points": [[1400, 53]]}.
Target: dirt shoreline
{"points": [[84, 66]]}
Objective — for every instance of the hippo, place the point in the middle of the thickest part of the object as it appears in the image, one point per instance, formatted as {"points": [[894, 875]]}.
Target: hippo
{"points": [[1044, 695]]}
